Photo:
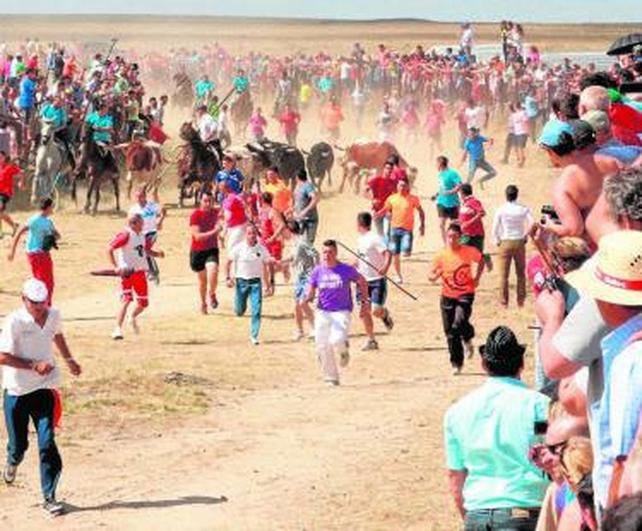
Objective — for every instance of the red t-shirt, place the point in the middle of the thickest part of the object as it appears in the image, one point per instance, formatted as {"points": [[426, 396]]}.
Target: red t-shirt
{"points": [[382, 188], [469, 208], [7, 173], [205, 220], [234, 210], [290, 121]]}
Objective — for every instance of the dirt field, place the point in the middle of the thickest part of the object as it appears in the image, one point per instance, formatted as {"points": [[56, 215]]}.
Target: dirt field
{"points": [[250, 438]]}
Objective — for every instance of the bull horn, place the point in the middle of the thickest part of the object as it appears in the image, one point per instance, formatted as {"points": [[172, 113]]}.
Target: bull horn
{"points": [[339, 147], [306, 153]]}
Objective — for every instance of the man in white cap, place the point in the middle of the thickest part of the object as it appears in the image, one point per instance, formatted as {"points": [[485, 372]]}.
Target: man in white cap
{"points": [[30, 380], [614, 280]]}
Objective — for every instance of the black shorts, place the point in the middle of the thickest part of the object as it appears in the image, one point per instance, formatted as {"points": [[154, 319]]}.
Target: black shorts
{"points": [[520, 140], [198, 259], [4, 201], [448, 212]]}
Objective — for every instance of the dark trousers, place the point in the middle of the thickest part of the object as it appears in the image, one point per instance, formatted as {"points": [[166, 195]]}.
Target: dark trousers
{"points": [[455, 314], [39, 406], [504, 519]]}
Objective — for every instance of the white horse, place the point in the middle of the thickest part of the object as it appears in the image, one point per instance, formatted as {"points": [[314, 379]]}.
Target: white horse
{"points": [[50, 161]]}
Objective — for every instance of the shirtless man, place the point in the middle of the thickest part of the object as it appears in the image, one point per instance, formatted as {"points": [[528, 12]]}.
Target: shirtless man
{"points": [[579, 186]]}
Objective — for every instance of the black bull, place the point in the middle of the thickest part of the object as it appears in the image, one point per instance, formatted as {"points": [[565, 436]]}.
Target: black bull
{"points": [[287, 159]]}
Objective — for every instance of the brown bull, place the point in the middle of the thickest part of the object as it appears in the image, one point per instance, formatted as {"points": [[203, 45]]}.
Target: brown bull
{"points": [[143, 162], [361, 157]]}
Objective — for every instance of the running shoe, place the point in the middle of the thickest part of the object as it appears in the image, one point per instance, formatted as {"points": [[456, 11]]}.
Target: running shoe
{"points": [[387, 321], [371, 344], [9, 473], [298, 335], [332, 383], [456, 370], [117, 333], [53, 507], [254, 340]]}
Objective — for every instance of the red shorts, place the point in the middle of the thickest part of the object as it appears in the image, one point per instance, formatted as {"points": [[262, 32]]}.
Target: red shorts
{"points": [[136, 284], [42, 269], [275, 249]]}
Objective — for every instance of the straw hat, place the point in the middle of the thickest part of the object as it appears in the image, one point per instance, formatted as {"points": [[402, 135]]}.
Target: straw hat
{"points": [[615, 273]]}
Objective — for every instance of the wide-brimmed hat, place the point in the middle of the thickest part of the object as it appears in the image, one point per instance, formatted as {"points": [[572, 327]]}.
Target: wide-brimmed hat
{"points": [[614, 274]]}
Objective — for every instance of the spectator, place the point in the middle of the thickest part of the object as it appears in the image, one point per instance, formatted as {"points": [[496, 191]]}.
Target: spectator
{"points": [[511, 226], [487, 436]]}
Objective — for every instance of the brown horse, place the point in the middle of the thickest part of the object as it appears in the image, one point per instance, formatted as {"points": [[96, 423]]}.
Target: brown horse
{"points": [[99, 165], [240, 112], [198, 163]]}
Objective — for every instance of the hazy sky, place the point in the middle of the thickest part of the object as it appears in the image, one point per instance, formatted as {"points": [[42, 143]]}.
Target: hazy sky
{"points": [[539, 10]]}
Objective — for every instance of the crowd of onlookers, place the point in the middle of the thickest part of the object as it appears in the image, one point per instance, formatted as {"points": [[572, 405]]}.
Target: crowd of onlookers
{"points": [[568, 454]]}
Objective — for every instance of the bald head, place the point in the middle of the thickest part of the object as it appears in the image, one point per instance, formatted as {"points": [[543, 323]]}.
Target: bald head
{"points": [[565, 427], [594, 98]]}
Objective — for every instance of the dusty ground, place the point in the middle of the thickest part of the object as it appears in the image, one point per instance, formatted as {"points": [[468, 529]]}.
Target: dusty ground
{"points": [[253, 440]]}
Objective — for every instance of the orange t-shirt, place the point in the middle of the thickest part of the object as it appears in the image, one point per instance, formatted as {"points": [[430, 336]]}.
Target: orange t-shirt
{"points": [[402, 210], [281, 195], [456, 272]]}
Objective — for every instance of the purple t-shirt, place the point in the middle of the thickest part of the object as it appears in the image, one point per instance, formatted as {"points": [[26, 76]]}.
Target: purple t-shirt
{"points": [[333, 284]]}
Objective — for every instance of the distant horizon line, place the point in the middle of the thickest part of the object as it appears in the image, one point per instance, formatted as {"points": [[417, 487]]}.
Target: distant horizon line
{"points": [[377, 20]]}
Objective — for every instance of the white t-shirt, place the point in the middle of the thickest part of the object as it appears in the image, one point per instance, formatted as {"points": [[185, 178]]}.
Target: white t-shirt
{"points": [[475, 117], [206, 127], [519, 122], [131, 248], [248, 261], [371, 247], [22, 337], [150, 213]]}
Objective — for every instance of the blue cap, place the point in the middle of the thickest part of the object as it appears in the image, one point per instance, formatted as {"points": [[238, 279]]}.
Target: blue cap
{"points": [[552, 131]]}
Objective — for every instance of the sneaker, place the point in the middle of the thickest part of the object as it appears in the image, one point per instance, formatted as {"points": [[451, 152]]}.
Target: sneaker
{"points": [[387, 321], [9, 473], [456, 370], [312, 335], [470, 350], [254, 340], [213, 301], [332, 383], [134, 324], [298, 335], [345, 358], [117, 333], [371, 344], [398, 279], [53, 507]]}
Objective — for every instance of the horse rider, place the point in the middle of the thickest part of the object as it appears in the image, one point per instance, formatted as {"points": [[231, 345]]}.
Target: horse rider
{"points": [[55, 114]]}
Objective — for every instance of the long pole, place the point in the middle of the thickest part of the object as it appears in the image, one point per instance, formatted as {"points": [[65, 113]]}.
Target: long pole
{"points": [[395, 284]]}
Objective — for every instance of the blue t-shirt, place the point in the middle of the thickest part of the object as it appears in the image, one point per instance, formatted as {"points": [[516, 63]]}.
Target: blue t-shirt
{"points": [[475, 147], [448, 179], [234, 179], [27, 93], [203, 87], [57, 116], [39, 226], [302, 198], [96, 120]]}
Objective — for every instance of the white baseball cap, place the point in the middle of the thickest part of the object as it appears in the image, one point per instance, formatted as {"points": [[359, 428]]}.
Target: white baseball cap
{"points": [[35, 290]]}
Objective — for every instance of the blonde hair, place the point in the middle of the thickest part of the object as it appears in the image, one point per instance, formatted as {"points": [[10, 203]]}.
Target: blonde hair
{"points": [[577, 460]]}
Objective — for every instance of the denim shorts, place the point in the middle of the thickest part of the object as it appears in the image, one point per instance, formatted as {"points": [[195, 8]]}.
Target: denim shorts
{"points": [[377, 291], [400, 241]]}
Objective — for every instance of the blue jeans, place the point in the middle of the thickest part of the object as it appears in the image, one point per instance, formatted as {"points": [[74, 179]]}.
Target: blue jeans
{"points": [[39, 405], [382, 225], [504, 519], [252, 289], [400, 241], [482, 164]]}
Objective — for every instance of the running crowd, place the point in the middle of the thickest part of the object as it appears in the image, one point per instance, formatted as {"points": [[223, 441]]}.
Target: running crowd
{"points": [[566, 455]]}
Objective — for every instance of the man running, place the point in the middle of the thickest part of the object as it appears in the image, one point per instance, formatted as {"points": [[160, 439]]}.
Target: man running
{"points": [[235, 214], [205, 228], [372, 249], [8, 172], [378, 189], [447, 198], [401, 207], [471, 214], [41, 238], [332, 280], [131, 265], [474, 152], [30, 380], [454, 266], [251, 270], [153, 216]]}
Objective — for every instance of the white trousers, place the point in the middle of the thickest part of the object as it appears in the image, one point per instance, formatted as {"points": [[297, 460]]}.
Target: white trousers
{"points": [[331, 336]]}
